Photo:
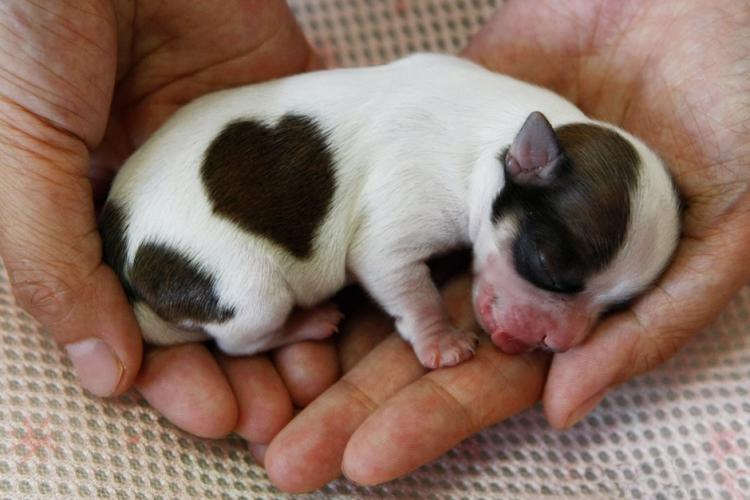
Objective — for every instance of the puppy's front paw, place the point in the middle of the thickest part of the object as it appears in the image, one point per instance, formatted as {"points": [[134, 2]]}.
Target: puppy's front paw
{"points": [[446, 348]]}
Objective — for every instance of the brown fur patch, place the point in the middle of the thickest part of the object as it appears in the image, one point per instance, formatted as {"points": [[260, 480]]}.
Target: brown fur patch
{"points": [[277, 181], [174, 286], [575, 225], [595, 203]]}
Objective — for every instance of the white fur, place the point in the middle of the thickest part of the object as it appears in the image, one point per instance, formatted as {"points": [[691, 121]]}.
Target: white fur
{"points": [[415, 145]]}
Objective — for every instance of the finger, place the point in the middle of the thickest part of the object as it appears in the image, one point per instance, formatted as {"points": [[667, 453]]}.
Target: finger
{"points": [[441, 409], [263, 401], [705, 275], [52, 252], [186, 385], [307, 453], [307, 368]]}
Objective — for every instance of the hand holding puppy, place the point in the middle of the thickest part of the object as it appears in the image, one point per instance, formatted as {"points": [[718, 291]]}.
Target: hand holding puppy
{"points": [[651, 87], [694, 110], [83, 85]]}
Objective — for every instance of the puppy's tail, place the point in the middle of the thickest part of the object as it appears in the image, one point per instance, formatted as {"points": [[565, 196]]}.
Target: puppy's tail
{"points": [[160, 332]]}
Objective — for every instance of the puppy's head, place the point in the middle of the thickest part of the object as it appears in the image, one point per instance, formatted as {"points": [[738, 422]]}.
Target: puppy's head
{"points": [[587, 219]]}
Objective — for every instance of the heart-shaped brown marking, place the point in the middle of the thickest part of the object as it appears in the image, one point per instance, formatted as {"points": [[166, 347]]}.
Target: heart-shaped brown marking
{"points": [[274, 181]]}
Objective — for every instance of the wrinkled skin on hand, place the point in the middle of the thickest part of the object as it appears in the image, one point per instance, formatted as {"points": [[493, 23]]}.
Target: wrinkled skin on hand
{"points": [[673, 73]]}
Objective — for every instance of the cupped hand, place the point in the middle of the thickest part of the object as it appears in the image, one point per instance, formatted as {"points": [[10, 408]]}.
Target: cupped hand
{"points": [[82, 84], [673, 73]]}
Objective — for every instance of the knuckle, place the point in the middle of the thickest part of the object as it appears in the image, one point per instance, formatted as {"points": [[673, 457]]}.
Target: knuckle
{"points": [[42, 294]]}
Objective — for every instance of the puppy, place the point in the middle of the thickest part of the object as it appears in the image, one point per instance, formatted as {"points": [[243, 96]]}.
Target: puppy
{"points": [[251, 201]]}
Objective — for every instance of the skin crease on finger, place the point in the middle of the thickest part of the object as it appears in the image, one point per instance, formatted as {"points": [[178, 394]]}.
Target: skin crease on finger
{"points": [[264, 405], [156, 57], [672, 74]]}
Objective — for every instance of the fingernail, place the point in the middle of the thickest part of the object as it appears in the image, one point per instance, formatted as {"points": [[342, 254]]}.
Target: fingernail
{"points": [[99, 370], [258, 451], [586, 407]]}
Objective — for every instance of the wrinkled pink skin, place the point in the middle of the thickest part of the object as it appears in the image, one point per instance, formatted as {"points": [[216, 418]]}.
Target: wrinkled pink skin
{"points": [[520, 317]]}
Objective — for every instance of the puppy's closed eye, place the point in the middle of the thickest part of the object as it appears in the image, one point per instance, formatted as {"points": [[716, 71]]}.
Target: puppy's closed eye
{"points": [[618, 306], [547, 268]]}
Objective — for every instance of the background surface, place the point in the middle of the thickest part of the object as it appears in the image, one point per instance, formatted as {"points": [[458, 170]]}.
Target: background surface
{"points": [[682, 431]]}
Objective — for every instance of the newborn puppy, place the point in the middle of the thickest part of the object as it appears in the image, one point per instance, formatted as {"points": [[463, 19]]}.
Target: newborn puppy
{"points": [[249, 202]]}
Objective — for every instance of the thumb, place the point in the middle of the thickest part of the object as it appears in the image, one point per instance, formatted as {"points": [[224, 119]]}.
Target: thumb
{"points": [[52, 251]]}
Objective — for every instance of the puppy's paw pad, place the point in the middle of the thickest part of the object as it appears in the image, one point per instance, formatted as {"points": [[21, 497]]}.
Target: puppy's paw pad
{"points": [[446, 349]]}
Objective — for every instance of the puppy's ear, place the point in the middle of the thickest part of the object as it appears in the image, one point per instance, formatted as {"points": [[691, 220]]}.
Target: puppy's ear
{"points": [[535, 157]]}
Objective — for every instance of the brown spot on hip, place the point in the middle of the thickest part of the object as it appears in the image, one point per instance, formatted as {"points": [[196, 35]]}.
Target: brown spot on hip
{"points": [[174, 286], [169, 282]]}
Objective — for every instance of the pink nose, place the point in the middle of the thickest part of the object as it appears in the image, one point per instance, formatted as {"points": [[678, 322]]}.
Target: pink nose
{"points": [[525, 327]]}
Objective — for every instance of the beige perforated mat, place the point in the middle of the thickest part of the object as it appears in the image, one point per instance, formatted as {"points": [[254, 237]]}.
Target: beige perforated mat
{"points": [[682, 431]]}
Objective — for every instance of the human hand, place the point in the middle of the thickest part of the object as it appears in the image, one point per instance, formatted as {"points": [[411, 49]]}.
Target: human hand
{"points": [[83, 84], [634, 64], [674, 74], [387, 415]]}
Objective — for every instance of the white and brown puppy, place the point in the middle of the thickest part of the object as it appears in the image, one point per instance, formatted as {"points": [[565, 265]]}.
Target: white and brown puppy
{"points": [[249, 202]]}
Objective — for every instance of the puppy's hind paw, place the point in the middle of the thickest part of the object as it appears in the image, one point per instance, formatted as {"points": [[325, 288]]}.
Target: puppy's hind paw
{"points": [[316, 323]]}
